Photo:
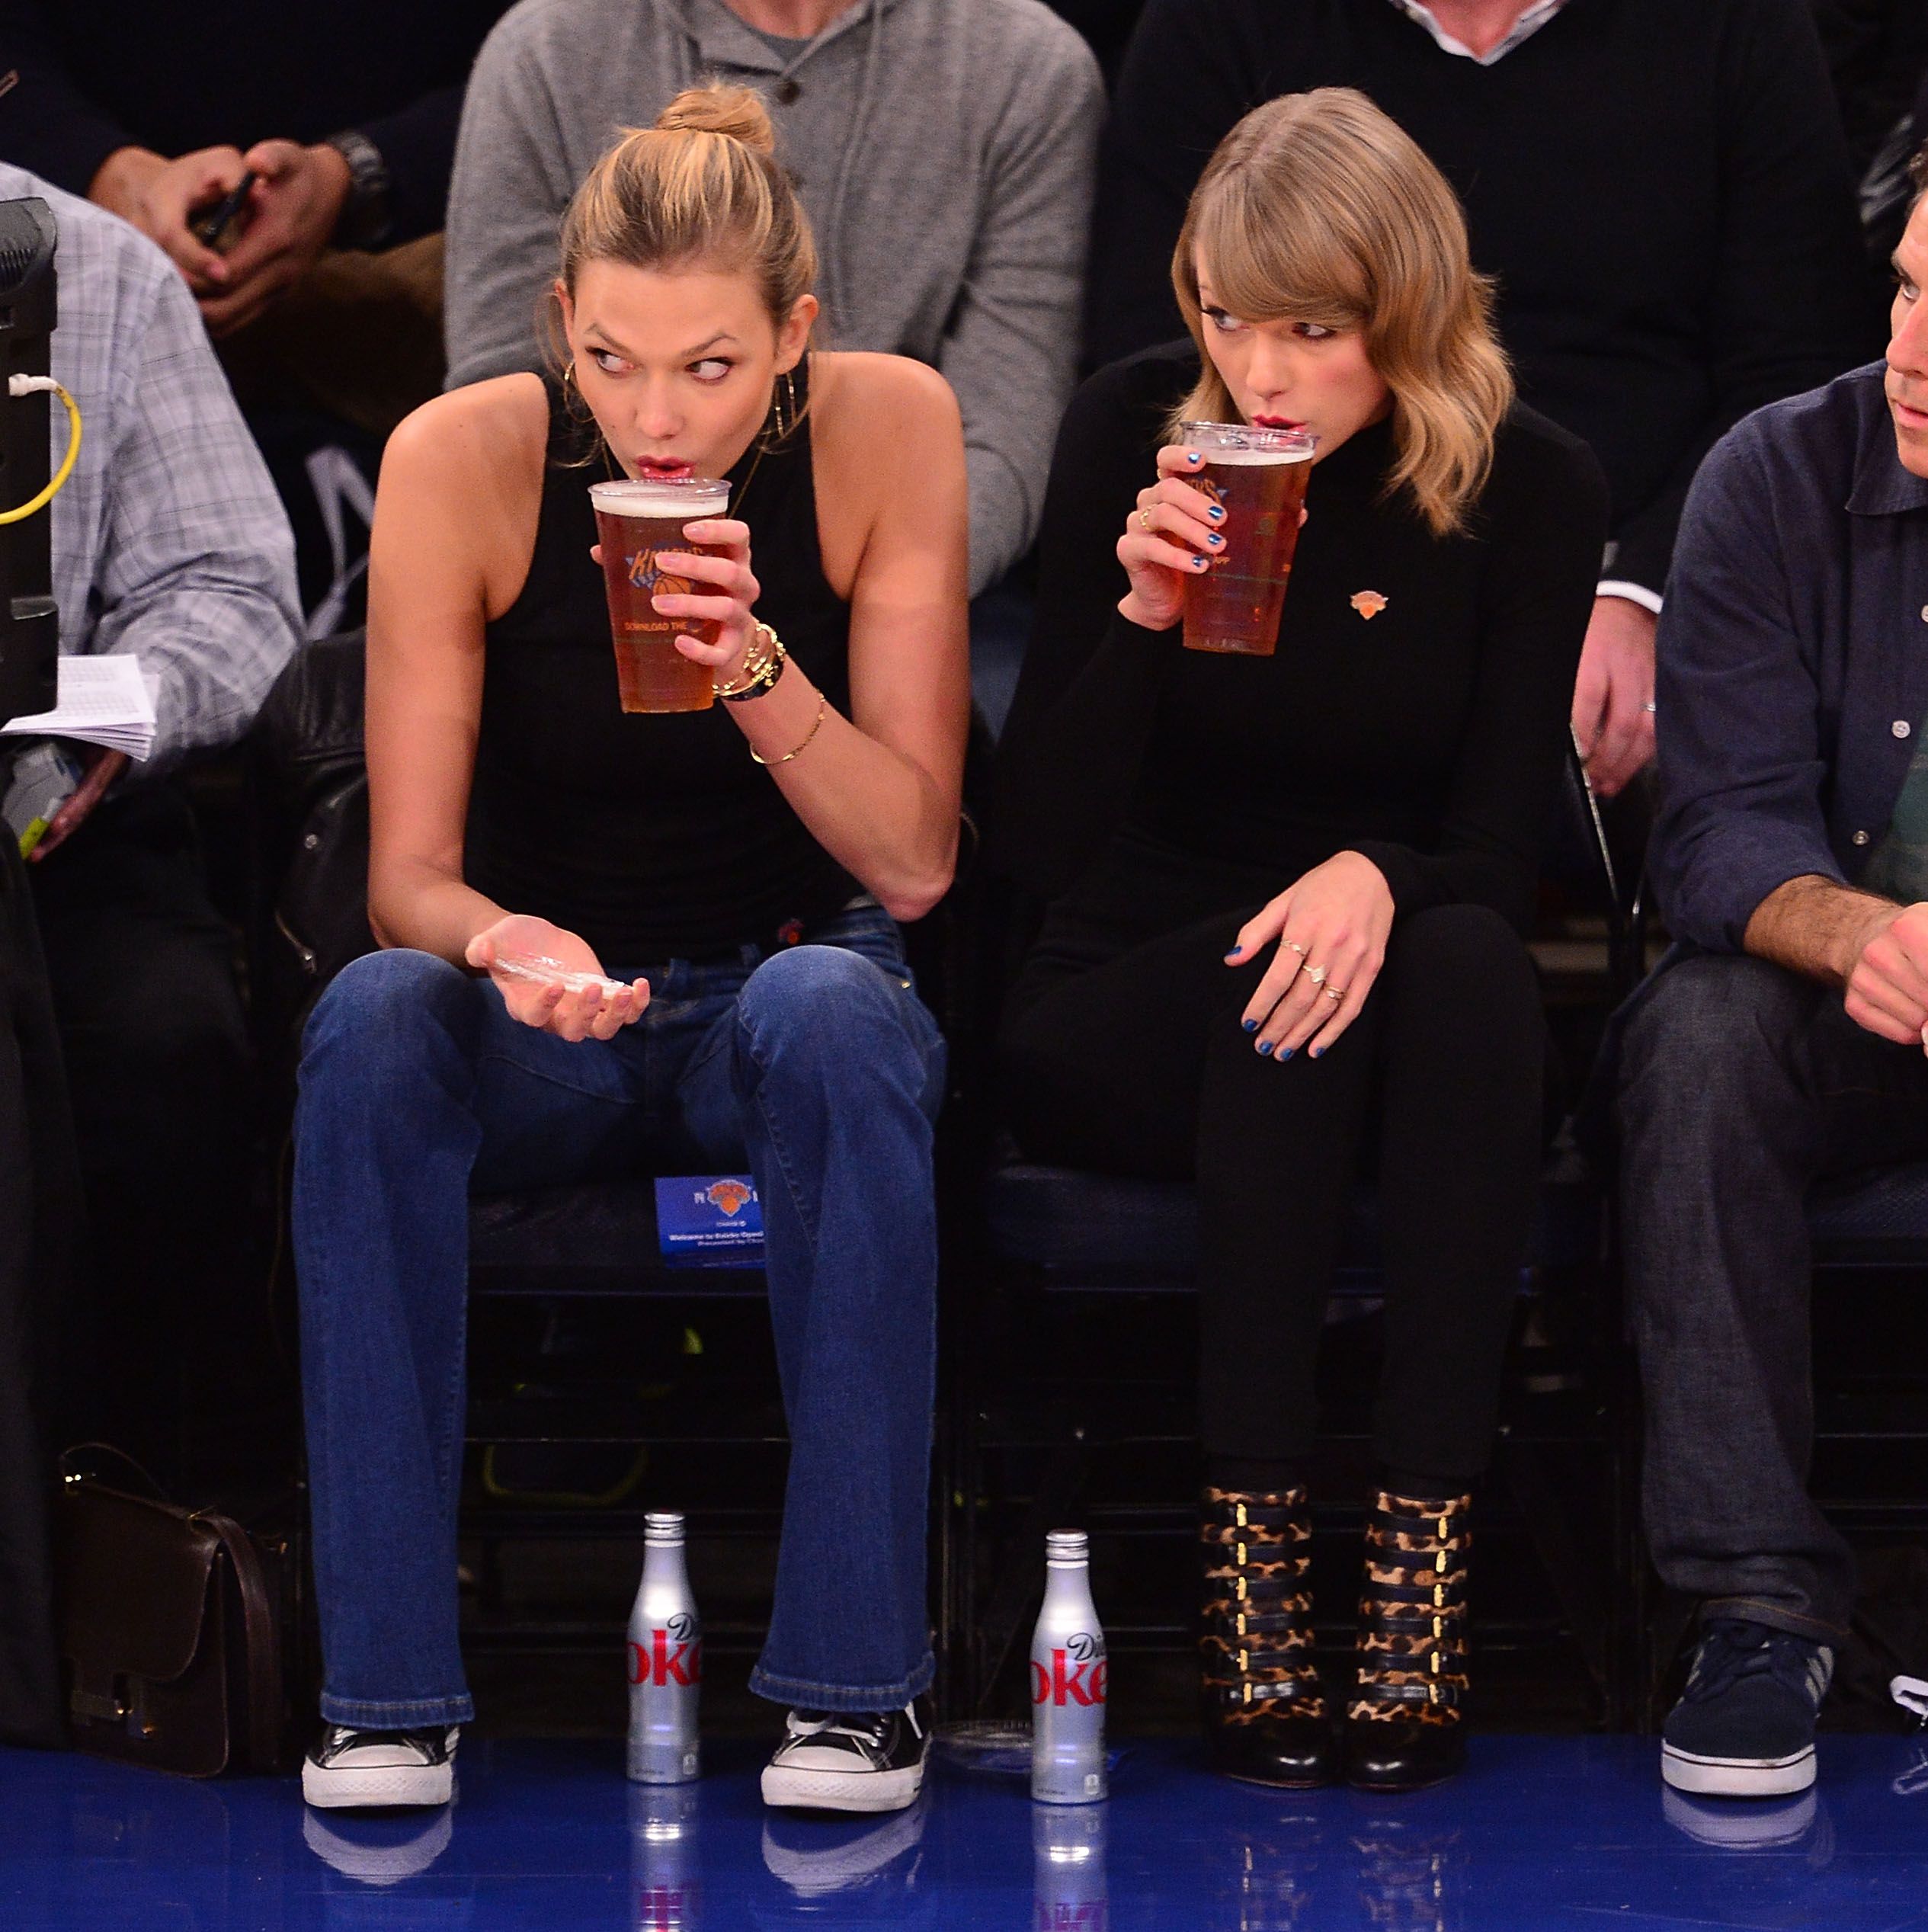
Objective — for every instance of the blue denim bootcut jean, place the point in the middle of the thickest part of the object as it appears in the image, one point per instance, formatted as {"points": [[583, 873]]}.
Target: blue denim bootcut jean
{"points": [[819, 1069]]}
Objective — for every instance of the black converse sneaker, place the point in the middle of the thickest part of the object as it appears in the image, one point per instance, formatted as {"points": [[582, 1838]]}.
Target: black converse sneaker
{"points": [[351, 1768], [846, 1761]]}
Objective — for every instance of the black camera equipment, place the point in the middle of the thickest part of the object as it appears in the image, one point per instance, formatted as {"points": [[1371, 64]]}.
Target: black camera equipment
{"points": [[29, 624]]}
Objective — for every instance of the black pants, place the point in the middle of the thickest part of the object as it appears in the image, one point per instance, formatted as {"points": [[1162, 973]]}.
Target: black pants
{"points": [[1140, 1067], [39, 1208], [1740, 1085], [158, 1066]]}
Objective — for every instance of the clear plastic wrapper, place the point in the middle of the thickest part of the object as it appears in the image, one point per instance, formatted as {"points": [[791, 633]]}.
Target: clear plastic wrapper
{"points": [[540, 970]]}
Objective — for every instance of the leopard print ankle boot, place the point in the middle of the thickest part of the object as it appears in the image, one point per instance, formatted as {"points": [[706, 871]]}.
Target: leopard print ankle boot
{"points": [[1265, 1718], [1405, 1725]]}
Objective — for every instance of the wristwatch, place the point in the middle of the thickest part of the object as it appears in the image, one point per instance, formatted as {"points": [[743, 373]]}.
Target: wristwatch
{"points": [[367, 216]]}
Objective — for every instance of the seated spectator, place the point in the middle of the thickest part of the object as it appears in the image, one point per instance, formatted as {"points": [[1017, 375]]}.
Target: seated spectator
{"points": [[39, 1210], [745, 864], [1783, 1040], [348, 124], [944, 151], [1286, 894], [1659, 188], [169, 545]]}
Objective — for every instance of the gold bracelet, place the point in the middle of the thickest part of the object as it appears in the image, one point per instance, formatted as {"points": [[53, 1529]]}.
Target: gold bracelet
{"points": [[760, 674], [823, 705]]}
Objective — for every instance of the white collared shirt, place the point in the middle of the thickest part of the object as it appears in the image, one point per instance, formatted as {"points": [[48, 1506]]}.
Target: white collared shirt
{"points": [[1529, 23]]}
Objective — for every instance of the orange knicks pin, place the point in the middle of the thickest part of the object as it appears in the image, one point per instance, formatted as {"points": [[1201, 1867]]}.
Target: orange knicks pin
{"points": [[1368, 603]]}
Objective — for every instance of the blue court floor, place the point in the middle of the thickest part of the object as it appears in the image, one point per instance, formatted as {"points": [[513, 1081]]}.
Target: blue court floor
{"points": [[1542, 1833]]}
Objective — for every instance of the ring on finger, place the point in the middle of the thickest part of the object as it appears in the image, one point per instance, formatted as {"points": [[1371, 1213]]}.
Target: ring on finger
{"points": [[1293, 946], [1316, 975], [1144, 520], [1334, 992]]}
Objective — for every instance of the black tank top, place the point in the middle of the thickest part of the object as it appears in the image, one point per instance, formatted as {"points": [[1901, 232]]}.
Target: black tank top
{"points": [[652, 837]]}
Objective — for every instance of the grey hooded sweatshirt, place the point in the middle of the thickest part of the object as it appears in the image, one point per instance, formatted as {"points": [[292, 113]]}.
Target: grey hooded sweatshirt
{"points": [[945, 150]]}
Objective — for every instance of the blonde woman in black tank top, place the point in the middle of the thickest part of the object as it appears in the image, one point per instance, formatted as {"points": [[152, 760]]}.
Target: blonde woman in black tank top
{"points": [[727, 881]]}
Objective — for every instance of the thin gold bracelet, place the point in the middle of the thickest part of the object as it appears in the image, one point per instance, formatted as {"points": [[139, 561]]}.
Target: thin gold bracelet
{"points": [[823, 706]]}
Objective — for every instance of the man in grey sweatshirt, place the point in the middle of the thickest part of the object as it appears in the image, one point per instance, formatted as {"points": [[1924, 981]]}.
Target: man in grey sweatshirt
{"points": [[945, 150]]}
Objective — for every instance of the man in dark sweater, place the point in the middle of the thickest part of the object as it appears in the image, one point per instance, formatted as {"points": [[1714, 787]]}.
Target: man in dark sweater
{"points": [[346, 116], [1661, 188]]}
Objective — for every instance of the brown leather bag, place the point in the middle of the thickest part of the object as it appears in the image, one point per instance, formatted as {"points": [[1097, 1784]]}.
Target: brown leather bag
{"points": [[170, 1623]]}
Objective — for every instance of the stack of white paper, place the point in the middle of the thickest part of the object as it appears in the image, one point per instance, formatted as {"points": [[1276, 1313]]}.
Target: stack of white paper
{"points": [[102, 701]]}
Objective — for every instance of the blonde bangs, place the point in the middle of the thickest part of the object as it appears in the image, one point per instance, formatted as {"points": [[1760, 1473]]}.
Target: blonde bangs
{"points": [[1269, 263]]}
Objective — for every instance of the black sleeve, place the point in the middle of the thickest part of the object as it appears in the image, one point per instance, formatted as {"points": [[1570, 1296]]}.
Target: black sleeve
{"points": [[1079, 724], [1545, 509], [1787, 310], [417, 143], [47, 125], [1185, 84]]}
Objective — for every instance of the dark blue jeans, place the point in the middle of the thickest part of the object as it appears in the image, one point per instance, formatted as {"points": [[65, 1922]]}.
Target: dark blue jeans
{"points": [[1740, 1086], [819, 1069]]}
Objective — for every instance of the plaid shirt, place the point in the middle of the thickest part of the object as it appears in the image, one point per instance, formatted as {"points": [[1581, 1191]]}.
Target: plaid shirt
{"points": [[169, 542], [1530, 22]]}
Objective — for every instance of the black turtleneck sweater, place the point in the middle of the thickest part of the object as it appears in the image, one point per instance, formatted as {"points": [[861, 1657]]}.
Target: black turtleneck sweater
{"points": [[1143, 786], [1661, 187]]}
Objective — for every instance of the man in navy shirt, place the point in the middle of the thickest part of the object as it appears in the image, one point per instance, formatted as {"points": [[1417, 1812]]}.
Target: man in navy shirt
{"points": [[1785, 1040]]}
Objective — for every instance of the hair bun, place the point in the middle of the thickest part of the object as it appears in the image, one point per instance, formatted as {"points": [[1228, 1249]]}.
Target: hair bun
{"points": [[737, 112]]}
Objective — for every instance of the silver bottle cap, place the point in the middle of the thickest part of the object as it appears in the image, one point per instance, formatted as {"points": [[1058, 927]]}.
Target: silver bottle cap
{"points": [[1069, 1547], [663, 1526]]}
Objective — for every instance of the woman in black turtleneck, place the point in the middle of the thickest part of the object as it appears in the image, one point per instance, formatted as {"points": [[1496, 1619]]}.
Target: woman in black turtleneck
{"points": [[1286, 896]]}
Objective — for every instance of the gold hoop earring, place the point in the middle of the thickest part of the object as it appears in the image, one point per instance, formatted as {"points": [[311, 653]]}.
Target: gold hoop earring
{"points": [[568, 375]]}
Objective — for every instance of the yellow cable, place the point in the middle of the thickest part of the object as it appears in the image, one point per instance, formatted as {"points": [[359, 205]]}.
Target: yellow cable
{"points": [[61, 475]]}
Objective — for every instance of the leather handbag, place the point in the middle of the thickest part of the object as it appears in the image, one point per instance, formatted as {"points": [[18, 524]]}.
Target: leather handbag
{"points": [[170, 1627]]}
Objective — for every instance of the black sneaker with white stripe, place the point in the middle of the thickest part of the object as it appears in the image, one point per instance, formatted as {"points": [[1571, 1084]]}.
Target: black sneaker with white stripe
{"points": [[1744, 1726], [846, 1761], [370, 1768]]}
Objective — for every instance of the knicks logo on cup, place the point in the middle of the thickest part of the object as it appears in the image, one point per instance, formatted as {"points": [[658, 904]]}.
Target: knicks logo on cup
{"points": [[675, 1655], [731, 1196], [1079, 1674], [645, 576]]}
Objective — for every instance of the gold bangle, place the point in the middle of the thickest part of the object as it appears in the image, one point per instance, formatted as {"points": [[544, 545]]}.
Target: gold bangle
{"points": [[759, 673], [823, 706]]}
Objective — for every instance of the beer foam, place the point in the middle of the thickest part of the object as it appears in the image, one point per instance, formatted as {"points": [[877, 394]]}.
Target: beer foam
{"points": [[1255, 459], [701, 496]]}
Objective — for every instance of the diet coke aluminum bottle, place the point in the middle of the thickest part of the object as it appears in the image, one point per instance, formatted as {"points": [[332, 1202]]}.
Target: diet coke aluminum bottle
{"points": [[665, 1651], [1069, 1677]]}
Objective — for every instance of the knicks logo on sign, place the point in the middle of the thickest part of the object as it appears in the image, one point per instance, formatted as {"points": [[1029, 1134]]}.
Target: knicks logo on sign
{"points": [[731, 1196]]}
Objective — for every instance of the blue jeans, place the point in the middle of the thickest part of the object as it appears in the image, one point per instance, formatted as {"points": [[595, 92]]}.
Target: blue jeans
{"points": [[819, 1069]]}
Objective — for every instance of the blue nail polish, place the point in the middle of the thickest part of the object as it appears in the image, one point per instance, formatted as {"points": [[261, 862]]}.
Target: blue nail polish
{"points": [[1288, 1053], [1216, 514], [1194, 457], [1250, 1025], [1217, 541], [1265, 1046], [1198, 563], [1317, 1051], [1234, 952]]}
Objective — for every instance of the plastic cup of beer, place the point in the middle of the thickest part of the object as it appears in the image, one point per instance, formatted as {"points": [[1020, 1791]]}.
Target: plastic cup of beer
{"points": [[635, 519], [1258, 477]]}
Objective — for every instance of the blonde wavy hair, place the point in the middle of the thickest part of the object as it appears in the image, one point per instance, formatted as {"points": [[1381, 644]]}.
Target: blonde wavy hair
{"points": [[1319, 208], [703, 184]]}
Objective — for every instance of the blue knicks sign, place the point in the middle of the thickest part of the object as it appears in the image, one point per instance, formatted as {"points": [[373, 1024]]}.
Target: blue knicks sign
{"points": [[714, 1218]]}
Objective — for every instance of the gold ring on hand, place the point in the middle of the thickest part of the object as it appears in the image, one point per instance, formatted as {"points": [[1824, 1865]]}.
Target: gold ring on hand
{"points": [[1316, 975], [1334, 992], [1293, 946], [1144, 520]]}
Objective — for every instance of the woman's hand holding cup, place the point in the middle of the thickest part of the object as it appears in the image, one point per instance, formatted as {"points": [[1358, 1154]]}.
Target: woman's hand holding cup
{"points": [[727, 597], [552, 980], [1172, 535]]}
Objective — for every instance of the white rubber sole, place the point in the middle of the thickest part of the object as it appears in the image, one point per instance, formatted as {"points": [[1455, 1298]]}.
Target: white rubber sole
{"points": [[1737, 1778], [377, 1786], [841, 1791]]}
